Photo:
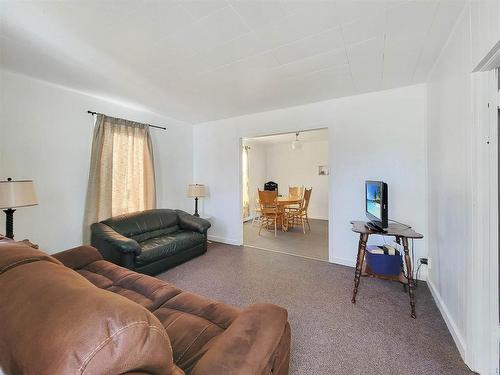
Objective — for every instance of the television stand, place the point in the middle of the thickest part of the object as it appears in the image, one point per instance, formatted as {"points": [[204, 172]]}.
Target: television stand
{"points": [[374, 227], [401, 233]]}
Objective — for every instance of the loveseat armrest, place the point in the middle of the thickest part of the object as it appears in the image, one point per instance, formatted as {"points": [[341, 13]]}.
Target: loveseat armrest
{"points": [[105, 238], [193, 223], [78, 257], [250, 344]]}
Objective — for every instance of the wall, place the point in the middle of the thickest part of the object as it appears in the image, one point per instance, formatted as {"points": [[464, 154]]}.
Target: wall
{"points": [[373, 136], [46, 136], [452, 181], [300, 167]]}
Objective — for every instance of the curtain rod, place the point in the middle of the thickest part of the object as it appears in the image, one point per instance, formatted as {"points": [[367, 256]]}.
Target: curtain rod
{"points": [[152, 126]]}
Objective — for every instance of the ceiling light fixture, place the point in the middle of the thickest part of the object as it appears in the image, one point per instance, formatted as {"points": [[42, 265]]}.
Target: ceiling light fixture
{"points": [[296, 145]]}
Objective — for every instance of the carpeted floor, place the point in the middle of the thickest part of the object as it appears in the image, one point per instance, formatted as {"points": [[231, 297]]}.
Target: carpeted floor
{"points": [[313, 244], [330, 335]]}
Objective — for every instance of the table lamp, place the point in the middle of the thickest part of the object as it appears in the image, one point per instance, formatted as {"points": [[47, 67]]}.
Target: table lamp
{"points": [[196, 191], [15, 194]]}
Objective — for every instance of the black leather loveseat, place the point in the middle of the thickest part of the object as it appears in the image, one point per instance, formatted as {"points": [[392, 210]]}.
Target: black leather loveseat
{"points": [[151, 241]]}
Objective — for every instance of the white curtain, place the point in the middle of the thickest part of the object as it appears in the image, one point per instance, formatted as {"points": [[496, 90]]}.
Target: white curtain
{"points": [[244, 172], [121, 177]]}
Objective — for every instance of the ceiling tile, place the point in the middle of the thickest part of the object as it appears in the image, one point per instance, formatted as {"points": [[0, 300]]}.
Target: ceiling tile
{"points": [[201, 8], [411, 17], [237, 49], [317, 18], [365, 60], [309, 46], [364, 29], [349, 11], [314, 63], [446, 15], [258, 13], [216, 29]]}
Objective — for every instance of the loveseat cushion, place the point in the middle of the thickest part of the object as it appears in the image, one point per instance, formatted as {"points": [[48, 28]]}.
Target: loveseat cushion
{"points": [[133, 224], [165, 246]]}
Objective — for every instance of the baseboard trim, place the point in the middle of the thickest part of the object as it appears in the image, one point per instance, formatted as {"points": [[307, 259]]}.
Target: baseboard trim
{"points": [[225, 240], [343, 261], [450, 323]]}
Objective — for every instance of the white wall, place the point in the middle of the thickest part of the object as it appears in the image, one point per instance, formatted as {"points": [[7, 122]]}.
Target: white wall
{"points": [[300, 167], [46, 136], [373, 136], [451, 191]]}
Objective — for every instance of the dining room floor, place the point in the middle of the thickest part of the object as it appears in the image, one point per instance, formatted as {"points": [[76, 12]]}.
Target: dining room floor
{"points": [[313, 244]]}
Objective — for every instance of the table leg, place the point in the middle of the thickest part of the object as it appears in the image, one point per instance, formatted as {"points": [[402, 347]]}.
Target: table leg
{"points": [[398, 241], [363, 238], [409, 276]]}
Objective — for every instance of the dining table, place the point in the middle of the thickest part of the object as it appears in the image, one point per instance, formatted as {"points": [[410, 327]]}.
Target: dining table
{"points": [[284, 201]]}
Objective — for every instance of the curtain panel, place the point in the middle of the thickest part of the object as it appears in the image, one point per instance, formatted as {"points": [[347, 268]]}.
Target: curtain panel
{"points": [[122, 177], [245, 181]]}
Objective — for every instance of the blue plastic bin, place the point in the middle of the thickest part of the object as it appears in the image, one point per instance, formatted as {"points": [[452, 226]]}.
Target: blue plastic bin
{"points": [[382, 264]]}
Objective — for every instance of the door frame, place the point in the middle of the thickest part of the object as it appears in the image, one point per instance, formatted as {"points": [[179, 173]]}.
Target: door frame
{"points": [[241, 138], [482, 313]]}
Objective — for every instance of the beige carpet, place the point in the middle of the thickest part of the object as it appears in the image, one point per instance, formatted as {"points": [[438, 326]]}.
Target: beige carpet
{"points": [[313, 244], [330, 335]]}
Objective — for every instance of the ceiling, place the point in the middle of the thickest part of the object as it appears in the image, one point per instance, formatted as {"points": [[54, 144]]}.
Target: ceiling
{"points": [[304, 136], [210, 59]]}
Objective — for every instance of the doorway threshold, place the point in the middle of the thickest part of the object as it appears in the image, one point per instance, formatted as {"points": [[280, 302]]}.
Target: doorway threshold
{"points": [[284, 252]]}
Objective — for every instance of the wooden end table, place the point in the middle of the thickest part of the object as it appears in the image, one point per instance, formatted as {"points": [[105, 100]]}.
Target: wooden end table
{"points": [[401, 233]]}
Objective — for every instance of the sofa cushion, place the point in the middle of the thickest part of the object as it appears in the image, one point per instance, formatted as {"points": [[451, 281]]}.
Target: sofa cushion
{"points": [[165, 246], [144, 290], [136, 223], [192, 322]]}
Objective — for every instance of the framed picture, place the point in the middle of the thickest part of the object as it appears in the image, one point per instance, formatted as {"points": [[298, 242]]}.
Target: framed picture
{"points": [[323, 170]]}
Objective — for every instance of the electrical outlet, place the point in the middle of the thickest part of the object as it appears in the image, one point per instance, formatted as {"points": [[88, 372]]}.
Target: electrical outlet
{"points": [[423, 260]]}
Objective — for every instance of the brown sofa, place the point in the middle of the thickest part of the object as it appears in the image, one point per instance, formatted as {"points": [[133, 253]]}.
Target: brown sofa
{"points": [[75, 313]]}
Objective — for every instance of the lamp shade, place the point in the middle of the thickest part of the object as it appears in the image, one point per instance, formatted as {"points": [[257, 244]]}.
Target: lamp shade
{"points": [[17, 194], [196, 191]]}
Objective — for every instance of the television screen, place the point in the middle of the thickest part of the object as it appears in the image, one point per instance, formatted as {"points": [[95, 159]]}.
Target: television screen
{"points": [[376, 203], [374, 199]]}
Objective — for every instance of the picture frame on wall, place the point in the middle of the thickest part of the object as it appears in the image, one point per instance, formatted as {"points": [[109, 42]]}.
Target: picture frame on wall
{"points": [[323, 170]]}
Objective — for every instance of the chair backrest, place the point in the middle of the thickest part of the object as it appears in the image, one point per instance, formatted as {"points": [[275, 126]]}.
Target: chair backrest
{"points": [[268, 199], [271, 186], [307, 198], [296, 191]]}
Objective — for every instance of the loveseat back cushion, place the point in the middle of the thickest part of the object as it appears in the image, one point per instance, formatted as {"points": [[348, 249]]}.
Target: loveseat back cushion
{"points": [[137, 223], [168, 245], [54, 321]]}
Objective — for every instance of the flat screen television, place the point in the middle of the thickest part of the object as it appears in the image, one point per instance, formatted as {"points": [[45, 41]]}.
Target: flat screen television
{"points": [[376, 204]]}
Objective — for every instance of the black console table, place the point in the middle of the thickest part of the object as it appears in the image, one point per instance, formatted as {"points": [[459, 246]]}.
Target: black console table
{"points": [[401, 233]]}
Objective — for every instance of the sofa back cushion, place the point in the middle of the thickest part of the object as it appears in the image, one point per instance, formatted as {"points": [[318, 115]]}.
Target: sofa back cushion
{"points": [[134, 224], [54, 321]]}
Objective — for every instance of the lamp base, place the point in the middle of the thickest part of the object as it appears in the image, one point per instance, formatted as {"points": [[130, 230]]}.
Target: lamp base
{"points": [[9, 223], [196, 207]]}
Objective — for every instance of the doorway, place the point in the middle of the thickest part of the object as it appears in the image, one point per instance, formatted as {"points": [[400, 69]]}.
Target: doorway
{"points": [[294, 167]]}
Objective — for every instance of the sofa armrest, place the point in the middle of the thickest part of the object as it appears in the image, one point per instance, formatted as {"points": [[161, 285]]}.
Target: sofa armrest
{"points": [[104, 236], [78, 257], [191, 222], [248, 345]]}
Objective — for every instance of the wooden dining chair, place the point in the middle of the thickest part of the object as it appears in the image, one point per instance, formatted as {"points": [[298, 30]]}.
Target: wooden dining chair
{"points": [[296, 191], [257, 212], [270, 213], [300, 215]]}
